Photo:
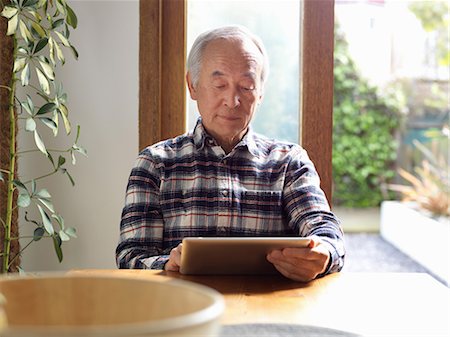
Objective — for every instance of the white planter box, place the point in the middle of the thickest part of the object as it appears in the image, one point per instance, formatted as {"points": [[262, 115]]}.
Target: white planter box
{"points": [[424, 239]]}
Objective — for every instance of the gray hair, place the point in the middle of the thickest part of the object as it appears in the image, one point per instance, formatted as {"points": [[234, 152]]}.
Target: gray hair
{"points": [[228, 32]]}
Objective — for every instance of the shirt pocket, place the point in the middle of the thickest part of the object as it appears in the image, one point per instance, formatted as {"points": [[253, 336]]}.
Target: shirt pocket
{"points": [[263, 202], [260, 213]]}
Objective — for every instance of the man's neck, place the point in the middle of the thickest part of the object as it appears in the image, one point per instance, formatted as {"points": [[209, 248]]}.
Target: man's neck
{"points": [[228, 143]]}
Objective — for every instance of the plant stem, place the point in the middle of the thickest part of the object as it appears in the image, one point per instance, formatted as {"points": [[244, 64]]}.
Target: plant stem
{"points": [[41, 177], [37, 150], [12, 166], [19, 253]]}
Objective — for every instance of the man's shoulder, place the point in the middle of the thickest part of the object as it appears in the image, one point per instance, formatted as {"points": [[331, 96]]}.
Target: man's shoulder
{"points": [[269, 146], [171, 147]]}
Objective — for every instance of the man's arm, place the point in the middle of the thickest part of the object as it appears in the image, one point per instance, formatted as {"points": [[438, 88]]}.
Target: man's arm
{"points": [[308, 211], [141, 227]]}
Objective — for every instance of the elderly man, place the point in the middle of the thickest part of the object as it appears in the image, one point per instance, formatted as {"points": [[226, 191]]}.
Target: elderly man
{"points": [[222, 179]]}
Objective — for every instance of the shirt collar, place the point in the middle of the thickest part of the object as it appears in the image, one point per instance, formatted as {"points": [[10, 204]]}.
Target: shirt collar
{"points": [[202, 138]]}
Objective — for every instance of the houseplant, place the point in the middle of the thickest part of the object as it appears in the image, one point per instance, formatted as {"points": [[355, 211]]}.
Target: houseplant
{"points": [[40, 33]]}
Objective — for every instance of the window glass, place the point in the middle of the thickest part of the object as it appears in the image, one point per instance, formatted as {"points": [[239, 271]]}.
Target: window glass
{"points": [[277, 24]]}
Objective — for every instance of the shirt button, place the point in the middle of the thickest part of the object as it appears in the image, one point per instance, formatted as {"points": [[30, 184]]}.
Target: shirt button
{"points": [[225, 193]]}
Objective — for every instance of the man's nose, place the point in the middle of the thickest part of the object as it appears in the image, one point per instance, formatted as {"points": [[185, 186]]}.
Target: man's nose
{"points": [[232, 99]]}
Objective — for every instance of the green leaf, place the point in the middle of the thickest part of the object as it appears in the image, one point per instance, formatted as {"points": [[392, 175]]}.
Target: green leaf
{"points": [[12, 25], [80, 149], [19, 185], [74, 159], [71, 232], [33, 186], [75, 52], [63, 236], [51, 45], [48, 70], [19, 64], [60, 7], [57, 23], [51, 159], [39, 143], [63, 39], [64, 114], [8, 12], [70, 178], [56, 121], [43, 194], [47, 107], [35, 14], [27, 107], [57, 246], [29, 3], [78, 133], [43, 81], [38, 233], [59, 53], [42, 3], [30, 125], [66, 31], [23, 200], [59, 219], [40, 45], [50, 123], [30, 104], [24, 31], [25, 76], [61, 161], [46, 221], [71, 17], [47, 203]]}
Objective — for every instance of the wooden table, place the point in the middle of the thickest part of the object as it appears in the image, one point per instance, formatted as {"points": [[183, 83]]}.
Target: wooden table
{"points": [[372, 304]]}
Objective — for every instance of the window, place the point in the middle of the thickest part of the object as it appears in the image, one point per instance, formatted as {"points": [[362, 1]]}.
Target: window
{"points": [[162, 96], [278, 116]]}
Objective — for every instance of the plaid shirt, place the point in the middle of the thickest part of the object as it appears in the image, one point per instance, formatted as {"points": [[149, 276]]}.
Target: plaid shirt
{"points": [[188, 186]]}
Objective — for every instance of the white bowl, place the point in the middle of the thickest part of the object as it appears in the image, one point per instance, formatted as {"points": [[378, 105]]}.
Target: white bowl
{"points": [[95, 305]]}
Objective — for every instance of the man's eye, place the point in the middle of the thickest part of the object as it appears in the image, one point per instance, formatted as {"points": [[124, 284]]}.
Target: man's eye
{"points": [[248, 88], [220, 86]]}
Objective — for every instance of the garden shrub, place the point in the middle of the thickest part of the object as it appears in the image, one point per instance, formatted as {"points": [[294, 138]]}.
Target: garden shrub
{"points": [[364, 145]]}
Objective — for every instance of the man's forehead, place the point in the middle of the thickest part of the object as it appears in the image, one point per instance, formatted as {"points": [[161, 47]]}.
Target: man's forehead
{"points": [[248, 74]]}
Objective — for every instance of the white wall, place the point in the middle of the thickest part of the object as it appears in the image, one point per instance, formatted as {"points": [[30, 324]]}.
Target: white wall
{"points": [[102, 87]]}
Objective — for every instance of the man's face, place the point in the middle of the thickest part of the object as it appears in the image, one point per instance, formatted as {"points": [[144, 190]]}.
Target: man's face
{"points": [[229, 88]]}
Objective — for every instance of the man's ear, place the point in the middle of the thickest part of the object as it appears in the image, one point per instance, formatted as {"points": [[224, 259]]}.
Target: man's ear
{"points": [[191, 87], [260, 98]]}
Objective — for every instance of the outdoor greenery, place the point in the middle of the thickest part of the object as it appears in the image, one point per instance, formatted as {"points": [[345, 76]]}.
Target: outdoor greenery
{"points": [[40, 30], [364, 145], [429, 186]]}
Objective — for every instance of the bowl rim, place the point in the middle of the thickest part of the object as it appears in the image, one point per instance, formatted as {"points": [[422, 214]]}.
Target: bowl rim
{"points": [[199, 317]]}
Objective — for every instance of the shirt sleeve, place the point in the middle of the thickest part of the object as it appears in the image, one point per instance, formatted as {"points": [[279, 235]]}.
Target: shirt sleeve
{"points": [[307, 208], [141, 226]]}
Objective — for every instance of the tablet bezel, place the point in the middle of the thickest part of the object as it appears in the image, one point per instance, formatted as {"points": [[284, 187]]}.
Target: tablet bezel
{"points": [[233, 255]]}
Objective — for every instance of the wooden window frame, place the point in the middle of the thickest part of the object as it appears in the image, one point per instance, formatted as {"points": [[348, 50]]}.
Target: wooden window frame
{"points": [[162, 90]]}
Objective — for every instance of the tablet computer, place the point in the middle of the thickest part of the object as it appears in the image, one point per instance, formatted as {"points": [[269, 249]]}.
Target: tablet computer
{"points": [[231, 255]]}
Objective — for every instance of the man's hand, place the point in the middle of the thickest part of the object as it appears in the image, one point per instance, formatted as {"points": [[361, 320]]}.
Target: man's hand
{"points": [[301, 264], [174, 262]]}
